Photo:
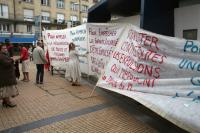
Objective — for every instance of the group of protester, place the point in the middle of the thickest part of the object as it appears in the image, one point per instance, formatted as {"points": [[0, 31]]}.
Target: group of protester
{"points": [[9, 68]]}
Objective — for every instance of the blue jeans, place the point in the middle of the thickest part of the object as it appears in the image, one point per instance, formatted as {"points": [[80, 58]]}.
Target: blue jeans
{"points": [[40, 73]]}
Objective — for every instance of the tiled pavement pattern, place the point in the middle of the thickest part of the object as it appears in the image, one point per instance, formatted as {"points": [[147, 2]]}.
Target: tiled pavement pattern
{"points": [[109, 120], [57, 97]]}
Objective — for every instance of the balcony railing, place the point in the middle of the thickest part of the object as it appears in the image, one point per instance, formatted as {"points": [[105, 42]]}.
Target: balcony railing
{"points": [[45, 20], [28, 18]]}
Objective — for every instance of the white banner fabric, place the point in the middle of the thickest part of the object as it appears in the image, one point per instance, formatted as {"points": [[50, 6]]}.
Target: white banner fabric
{"points": [[58, 47], [160, 71], [102, 40]]}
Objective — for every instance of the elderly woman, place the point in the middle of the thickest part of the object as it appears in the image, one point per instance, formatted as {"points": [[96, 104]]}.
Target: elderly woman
{"points": [[7, 78], [73, 72]]}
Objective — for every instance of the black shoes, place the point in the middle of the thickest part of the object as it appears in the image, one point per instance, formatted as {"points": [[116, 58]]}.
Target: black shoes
{"points": [[11, 105], [39, 82]]}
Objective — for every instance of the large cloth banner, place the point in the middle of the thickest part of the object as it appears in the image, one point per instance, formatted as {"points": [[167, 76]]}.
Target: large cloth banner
{"points": [[163, 73], [102, 40], [78, 35], [58, 47]]}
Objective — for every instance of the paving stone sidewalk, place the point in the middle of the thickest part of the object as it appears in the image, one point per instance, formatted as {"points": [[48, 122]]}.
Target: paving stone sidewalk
{"points": [[57, 106]]}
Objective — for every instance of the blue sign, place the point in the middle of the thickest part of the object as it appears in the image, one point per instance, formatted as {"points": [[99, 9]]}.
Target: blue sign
{"points": [[37, 27]]}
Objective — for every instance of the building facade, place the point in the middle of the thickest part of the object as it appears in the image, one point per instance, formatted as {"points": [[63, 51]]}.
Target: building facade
{"points": [[17, 17], [187, 20]]}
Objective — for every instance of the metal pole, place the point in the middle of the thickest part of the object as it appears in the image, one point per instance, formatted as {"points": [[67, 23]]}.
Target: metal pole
{"points": [[79, 1], [40, 27]]}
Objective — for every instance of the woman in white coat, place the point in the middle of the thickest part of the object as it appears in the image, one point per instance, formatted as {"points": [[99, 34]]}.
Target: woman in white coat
{"points": [[73, 72]]}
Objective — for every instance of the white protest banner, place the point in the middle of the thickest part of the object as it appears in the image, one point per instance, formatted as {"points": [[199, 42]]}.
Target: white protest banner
{"points": [[163, 73], [58, 48], [78, 35], [102, 40]]}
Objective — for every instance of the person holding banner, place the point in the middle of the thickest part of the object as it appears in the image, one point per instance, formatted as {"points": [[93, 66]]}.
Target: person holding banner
{"points": [[73, 72]]}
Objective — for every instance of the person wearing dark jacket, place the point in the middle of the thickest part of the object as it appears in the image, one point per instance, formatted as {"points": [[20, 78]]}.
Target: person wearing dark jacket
{"points": [[17, 73], [7, 78]]}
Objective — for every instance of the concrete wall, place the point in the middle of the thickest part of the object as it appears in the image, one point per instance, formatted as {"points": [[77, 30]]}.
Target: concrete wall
{"points": [[135, 20], [187, 17], [188, 2]]}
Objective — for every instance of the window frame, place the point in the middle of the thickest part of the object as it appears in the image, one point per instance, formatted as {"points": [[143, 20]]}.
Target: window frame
{"points": [[74, 6], [5, 26], [2, 12], [84, 8], [45, 19], [59, 3], [29, 18], [62, 20], [45, 2], [29, 28], [190, 34]]}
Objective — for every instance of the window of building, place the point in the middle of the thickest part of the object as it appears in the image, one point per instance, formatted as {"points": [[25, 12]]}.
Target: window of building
{"points": [[60, 3], [28, 1], [190, 34], [45, 2], [3, 11], [74, 6], [29, 28], [60, 18], [46, 17], [84, 8], [84, 20], [4, 27], [28, 15], [73, 18]]}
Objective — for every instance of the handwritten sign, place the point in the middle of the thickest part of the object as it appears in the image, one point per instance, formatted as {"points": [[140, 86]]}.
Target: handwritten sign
{"points": [[163, 73], [151, 63], [102, 40], [58, 47]]}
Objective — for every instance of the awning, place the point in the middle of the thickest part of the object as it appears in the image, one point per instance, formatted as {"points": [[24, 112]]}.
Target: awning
{"points": [[99, 12], [18, 39], [102, 11]]}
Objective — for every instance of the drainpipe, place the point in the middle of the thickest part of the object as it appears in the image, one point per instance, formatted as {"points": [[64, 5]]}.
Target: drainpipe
{"points": [[14, 15]]}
